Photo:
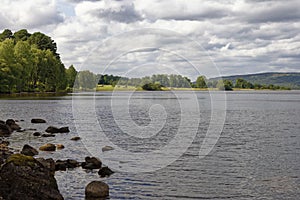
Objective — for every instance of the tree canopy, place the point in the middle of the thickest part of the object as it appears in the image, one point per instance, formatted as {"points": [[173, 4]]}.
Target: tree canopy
{"points": [[29, 63]]}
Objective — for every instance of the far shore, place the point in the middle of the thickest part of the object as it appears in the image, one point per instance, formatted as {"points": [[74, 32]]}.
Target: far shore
{"points": [[109, 88]]}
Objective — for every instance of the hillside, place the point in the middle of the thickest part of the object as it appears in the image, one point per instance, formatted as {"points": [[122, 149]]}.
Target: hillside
{"points": [[276, 78]]}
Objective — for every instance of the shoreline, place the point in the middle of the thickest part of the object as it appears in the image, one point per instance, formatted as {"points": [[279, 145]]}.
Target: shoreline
{"points": [[111, 89]]}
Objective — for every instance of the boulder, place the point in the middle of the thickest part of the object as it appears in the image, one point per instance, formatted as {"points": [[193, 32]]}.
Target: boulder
{"points": [[60, 165], [29, 150], [48, 147], [91, 163], [105, 172], [53, 129], [38, 121], [96, 189], [5, 151], [5, 130], [75, 138], [64, 130], [47, 163], [23, 177], [12, 124], [107, 148]]}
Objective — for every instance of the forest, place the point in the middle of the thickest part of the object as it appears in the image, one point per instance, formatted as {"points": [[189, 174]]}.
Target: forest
{"points": [[30, 63]]}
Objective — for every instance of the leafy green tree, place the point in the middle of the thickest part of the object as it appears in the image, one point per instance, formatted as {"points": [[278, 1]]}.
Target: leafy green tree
{"points": [[201, 82], [86, 80], [43, 42], [7, 66], [152, 87], [22, 35], [6, 34], [224, 85], [24, 65], [71, 74], [241, 83]]}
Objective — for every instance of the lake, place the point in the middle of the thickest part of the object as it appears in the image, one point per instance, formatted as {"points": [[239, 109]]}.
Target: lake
{"points": [[256, 156]]}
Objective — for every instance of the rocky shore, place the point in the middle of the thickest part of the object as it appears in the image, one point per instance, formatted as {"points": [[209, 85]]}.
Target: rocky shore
{"points": [[24, 175]]}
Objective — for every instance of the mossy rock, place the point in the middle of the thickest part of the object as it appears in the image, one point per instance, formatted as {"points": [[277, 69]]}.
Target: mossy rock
{"points": [[21, 160]]}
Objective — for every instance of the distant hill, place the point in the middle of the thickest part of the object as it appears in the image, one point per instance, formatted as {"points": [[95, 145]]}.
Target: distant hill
{"points": [[291, 80]]}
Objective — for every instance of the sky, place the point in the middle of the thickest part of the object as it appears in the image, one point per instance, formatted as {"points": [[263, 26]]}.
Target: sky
{"points": [[189, 37]]}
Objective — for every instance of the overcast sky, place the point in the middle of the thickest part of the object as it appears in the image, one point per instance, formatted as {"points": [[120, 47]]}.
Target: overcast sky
{"points": [[166, 36]]}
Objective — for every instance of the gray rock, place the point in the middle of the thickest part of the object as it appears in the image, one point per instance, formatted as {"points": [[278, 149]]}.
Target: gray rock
{"points": [[12, 124], [91, 163], [105, 172], [23, 177], [5, 130], [53, 129], [96, 189], [29, 150], [107, 148]]}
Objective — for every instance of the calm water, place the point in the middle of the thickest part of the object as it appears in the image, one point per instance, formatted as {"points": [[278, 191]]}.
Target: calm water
{"points": [[256, 157]]}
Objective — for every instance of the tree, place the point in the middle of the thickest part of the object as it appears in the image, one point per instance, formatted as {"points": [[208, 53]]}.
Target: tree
{"points": [[224, 85], [43, 42], [241, 83], [25, 62], [7, 66], [201, 82], [71, 74], [6, 34], [86, 80], [22, 35], [152, 87]]}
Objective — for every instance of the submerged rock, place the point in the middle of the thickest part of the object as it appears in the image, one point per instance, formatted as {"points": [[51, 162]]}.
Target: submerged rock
{"points": [[23, 177], [48, 147], [29, 150], [38, 121], [96, 189], [53, 129], [105, 172]]}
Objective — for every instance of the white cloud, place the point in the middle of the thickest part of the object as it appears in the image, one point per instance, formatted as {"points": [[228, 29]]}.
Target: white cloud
{"points": [[241, 36], [30, 13]]}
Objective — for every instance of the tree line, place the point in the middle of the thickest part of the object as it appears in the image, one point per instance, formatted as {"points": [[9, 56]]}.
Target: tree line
{"points": [[31, 63], [88, 80]]}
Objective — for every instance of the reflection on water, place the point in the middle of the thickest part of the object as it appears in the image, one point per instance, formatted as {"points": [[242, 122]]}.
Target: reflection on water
{"points": [[256, 157]]}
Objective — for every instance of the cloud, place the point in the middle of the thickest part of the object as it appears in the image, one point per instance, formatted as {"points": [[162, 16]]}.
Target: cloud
{"points": [[119, 11], [30, 14], [181, 9], [275, 11], [240, 36]]}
